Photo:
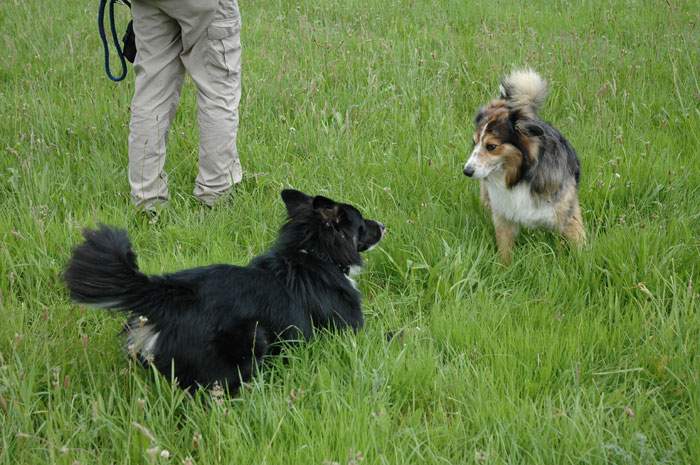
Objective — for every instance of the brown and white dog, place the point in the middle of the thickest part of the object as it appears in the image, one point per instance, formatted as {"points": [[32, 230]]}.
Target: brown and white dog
{"points": [[528, 171]]}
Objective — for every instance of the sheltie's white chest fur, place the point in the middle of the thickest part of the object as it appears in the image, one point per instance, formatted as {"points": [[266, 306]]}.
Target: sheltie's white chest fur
{"points": [[518, 205]]}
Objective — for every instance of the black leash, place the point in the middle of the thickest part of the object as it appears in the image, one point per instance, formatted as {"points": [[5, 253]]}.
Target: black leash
{"points": [[129, 44]]}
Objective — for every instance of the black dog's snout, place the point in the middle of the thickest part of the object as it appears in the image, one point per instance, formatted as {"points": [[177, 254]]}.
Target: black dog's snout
{"points": [[468, 171]]}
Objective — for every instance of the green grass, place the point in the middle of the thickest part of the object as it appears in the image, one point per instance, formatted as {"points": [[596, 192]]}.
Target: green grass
{"points": [[564, 358]]}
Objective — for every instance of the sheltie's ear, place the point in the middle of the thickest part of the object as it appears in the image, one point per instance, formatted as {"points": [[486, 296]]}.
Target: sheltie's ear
{"points": [[529, 128], [480, 115], [525, 126], [295, 201]]}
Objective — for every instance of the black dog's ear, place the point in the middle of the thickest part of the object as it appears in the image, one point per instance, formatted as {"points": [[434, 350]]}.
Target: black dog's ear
{"points": [[294, 200], [529, 128], [328, 210]]}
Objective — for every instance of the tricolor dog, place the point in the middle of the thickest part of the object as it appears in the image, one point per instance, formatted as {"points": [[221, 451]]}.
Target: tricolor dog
{"points": [[529, 172]]}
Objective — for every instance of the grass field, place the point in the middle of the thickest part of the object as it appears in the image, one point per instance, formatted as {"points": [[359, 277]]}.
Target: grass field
{"points": [[566, 357]]}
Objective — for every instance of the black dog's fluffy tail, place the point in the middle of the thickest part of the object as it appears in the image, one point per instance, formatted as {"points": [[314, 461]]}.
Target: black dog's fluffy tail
{"points": [[103, 273]]}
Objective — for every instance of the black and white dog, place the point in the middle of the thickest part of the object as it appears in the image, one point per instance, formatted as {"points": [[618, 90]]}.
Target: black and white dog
{"points": [[213, 324]]}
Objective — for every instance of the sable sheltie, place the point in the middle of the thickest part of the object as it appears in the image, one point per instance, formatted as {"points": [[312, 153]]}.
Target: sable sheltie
{"points": [[529, 172], [214, 324]]}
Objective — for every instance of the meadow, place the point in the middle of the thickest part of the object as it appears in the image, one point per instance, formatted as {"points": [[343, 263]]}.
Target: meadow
{"points": [[565, 357]]}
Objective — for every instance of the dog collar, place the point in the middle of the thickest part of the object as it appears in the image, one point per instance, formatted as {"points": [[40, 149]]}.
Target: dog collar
{"points": [[327, 259]]}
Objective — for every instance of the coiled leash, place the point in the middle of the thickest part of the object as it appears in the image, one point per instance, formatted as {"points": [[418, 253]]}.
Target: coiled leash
{"points": [[129, 50]]}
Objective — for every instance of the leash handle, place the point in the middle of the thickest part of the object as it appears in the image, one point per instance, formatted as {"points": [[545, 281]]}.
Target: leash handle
{"points": [[115, 39]]}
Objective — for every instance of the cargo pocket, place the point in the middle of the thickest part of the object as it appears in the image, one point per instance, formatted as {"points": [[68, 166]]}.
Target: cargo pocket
{"points": [[225, 47]]}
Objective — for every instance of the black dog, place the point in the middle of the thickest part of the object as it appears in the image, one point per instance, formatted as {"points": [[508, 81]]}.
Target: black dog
{"points": [[213, 324]]}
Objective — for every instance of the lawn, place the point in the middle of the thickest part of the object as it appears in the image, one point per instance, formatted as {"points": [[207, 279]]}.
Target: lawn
{"points": [[565, 357]]}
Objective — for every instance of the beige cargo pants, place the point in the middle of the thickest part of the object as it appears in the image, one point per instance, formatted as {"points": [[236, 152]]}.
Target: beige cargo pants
{"points": [[201, 37]]}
